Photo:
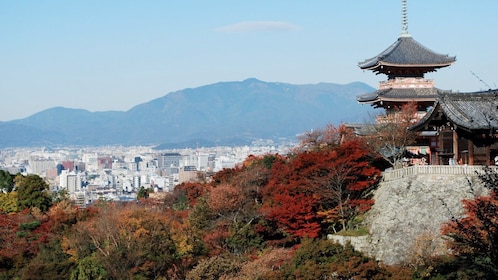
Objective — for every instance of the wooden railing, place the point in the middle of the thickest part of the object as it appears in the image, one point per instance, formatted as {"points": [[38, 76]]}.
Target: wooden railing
{"points": [[467, 170]]}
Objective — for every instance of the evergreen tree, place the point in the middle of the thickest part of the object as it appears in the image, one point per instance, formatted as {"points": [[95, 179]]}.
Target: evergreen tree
{"points": [[6, 181], [32, 191]]}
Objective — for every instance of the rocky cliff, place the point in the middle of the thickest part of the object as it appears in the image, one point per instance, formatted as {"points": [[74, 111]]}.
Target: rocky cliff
{"points": [[405, 222]]}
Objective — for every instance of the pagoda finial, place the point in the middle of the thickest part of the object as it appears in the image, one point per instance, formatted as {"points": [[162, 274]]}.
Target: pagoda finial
{"points": [[404, 20]]}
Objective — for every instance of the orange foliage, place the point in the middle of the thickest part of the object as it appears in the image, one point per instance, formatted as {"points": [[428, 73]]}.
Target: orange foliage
{"points": [[192, 190], [314, 183], [215, 240], [127, 239], [225, 198], [477, 232]]}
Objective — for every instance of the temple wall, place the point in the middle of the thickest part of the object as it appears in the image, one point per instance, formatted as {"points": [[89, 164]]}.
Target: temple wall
{"points": [[408, 213]]}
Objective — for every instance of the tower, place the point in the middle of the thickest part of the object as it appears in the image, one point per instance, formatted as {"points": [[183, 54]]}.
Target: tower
{"points": [[404, 63]]}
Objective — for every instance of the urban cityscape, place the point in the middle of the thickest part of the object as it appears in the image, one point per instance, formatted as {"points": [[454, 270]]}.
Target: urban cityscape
{"points": [[116, 173]]}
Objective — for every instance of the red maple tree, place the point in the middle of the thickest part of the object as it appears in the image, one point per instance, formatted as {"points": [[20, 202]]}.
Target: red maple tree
{"points": [[320, 187]]}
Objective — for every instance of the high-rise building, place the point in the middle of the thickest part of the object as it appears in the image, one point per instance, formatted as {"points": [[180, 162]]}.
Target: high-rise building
{"points": [[187, 174], [70, 181], [169, 160], [40, 165]]}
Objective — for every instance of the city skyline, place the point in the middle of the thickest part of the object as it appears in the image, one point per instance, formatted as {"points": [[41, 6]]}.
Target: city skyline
{"points": [[113, 55]]}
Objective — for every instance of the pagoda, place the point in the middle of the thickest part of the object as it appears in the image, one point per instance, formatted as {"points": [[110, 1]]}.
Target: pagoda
{"points": [[452, 127], [405, 63]]}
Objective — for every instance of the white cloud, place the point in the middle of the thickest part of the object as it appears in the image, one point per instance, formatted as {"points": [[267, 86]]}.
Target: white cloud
{"points": [[250, 26]]}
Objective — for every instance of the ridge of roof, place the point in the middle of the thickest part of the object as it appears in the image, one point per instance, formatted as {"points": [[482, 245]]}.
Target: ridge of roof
{"points": [[407, 52], [469, 111], [399, 94]]}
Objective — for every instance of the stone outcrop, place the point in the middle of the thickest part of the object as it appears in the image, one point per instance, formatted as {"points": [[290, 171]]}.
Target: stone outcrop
{"points": [[408, 213]]}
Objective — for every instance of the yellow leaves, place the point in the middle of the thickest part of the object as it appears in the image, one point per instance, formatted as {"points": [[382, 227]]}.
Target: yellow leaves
{"points": [[329, 215], [179, 235], [69, 248], [140, 232], [8, 202]]}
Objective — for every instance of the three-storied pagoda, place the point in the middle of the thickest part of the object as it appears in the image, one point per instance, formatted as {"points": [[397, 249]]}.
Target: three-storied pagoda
{"points": [[458, 127], [405, 63]]}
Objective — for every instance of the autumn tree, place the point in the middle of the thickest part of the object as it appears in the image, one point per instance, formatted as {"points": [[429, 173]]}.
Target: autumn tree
{"points": [[217, 267], [49, 263], [474, 238], [323, 259], [127, 241], [32, 191], [8, 202], [390, 136], [291, 199], [227, 214], [21, 238], [346, 177], [191, 192], [328, 137], [326, 184]]}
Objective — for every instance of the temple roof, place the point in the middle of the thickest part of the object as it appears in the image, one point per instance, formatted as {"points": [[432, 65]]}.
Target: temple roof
{"points": [[468, 111], [399, 95], [406, 53]]}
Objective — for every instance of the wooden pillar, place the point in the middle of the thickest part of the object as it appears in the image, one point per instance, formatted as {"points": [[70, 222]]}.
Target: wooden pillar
{"points": [[488, 154], [440, 146], [456, 153], [471, 152]]}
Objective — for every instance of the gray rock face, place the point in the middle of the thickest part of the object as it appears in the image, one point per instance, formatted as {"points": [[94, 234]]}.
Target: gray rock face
{"points": [[408, 213]]}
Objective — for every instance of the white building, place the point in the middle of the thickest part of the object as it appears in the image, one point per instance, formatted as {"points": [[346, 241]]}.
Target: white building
{"points": [[70, 181]]}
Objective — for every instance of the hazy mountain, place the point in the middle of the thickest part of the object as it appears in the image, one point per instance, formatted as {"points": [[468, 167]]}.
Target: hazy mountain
{"points": [[217, 114]]}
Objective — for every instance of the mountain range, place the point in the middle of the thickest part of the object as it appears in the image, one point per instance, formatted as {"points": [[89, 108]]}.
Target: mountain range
{"points": [[224, 113]]}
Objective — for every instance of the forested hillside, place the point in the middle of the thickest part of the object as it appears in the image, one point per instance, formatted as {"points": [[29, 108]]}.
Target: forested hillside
{"points": [[265, 219]]}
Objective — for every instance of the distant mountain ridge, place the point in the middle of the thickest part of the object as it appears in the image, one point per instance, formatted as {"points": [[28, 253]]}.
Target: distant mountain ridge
{"points": [[224, 113]]}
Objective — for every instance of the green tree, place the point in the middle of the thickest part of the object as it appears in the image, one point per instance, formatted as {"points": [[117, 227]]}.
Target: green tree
{"points": [[88, 269], [58, 196], [6, 181], [49, 263], [143, 192], [32, 191]]}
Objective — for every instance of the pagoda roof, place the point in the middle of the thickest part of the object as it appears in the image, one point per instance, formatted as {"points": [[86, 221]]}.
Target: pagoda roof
{"points": [[400, 95], [468, 111], [406, 52]]}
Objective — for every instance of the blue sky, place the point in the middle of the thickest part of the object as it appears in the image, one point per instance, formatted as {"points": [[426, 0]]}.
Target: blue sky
{"points": [[112, 55]]}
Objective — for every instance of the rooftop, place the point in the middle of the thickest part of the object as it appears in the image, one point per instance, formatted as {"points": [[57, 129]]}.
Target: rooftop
{"points": [[468, 111], [406, 57]]}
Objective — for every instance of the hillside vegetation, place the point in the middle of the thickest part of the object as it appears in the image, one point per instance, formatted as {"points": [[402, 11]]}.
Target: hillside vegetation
{"points": [[265, 219]]}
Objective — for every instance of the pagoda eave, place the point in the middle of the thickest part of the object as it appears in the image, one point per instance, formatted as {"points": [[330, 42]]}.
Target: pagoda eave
{"points": [[396, 100], [379, 67]]}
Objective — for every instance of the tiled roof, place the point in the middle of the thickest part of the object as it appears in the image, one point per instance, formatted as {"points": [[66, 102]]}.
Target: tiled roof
{"points": [[406, 52], [469, 111], [472, 110], [399, 94]]}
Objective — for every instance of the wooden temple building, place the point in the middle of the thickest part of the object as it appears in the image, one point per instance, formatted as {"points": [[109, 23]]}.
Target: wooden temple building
{"points": [[453, 128], [461, 128]]}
